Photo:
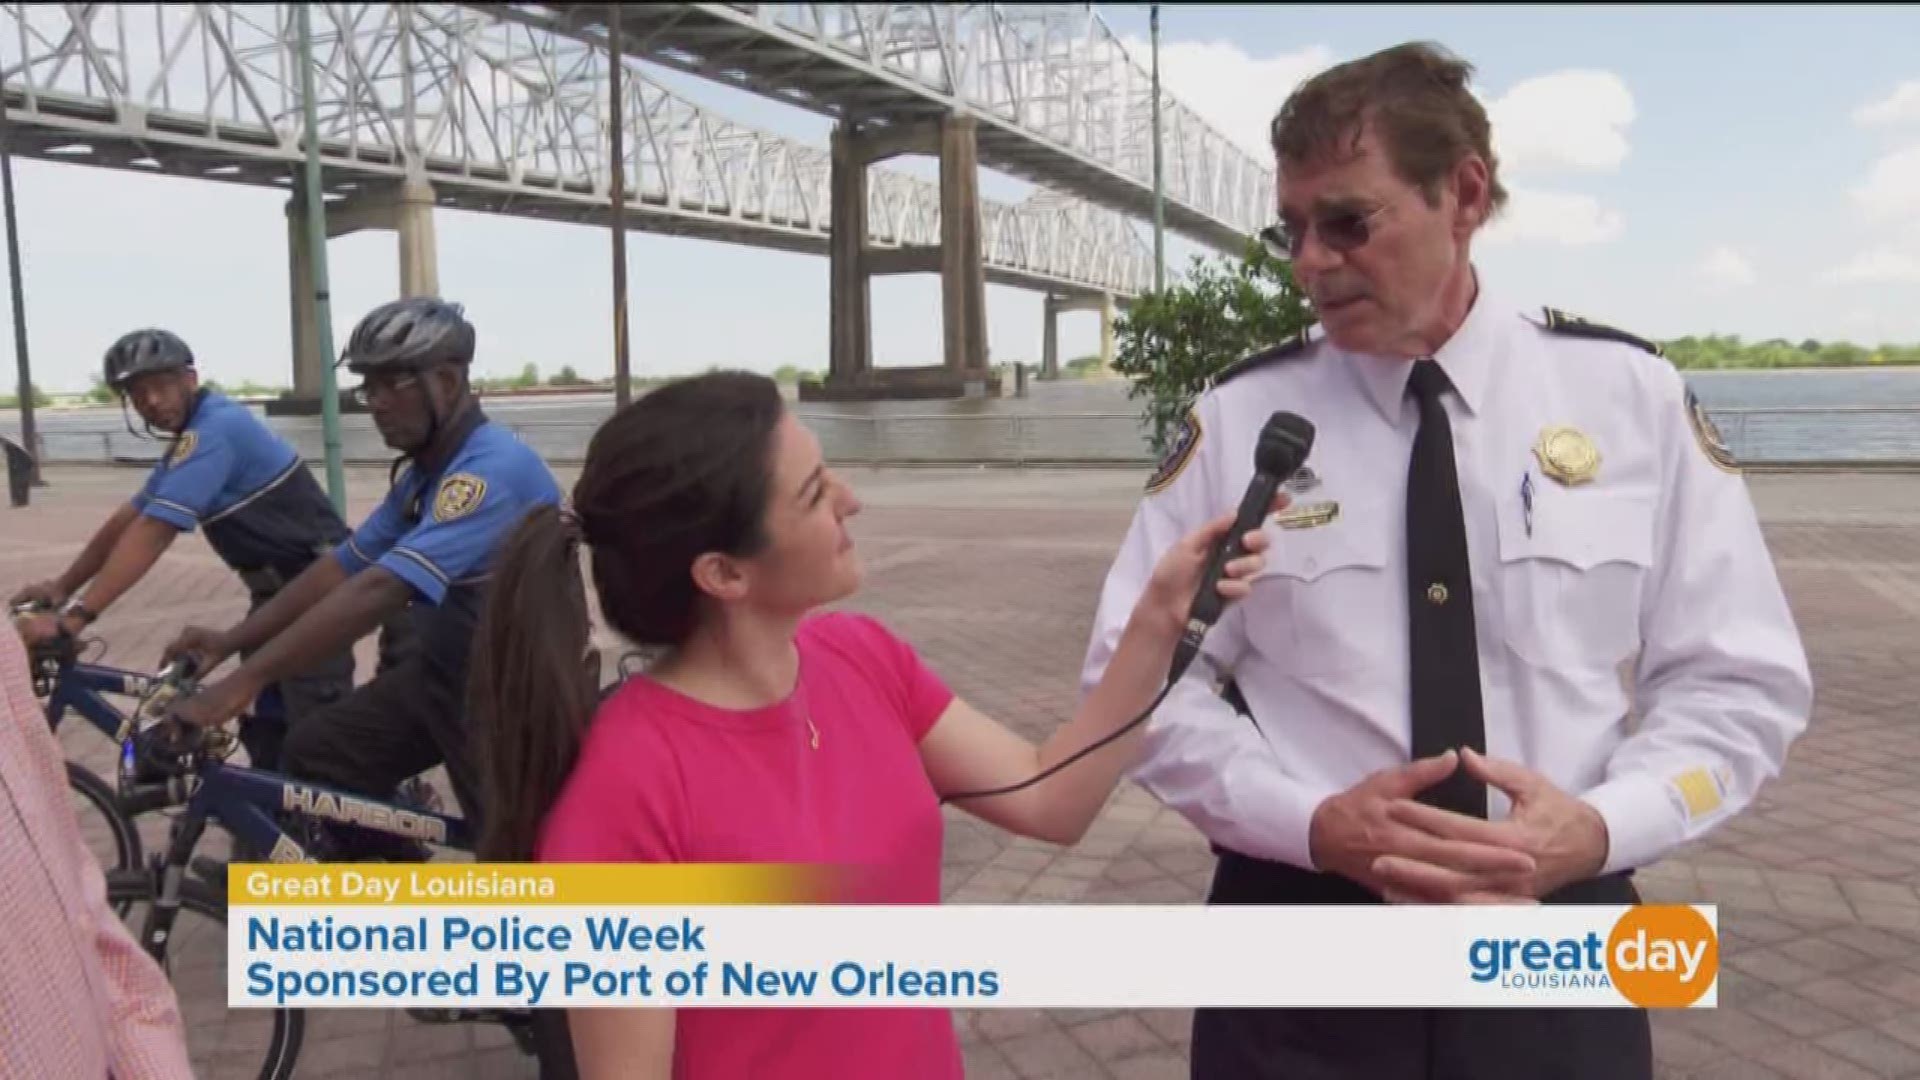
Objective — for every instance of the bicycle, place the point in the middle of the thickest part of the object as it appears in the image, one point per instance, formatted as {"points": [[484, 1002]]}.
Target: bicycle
{"points": [[67, 685], [167, 764]]}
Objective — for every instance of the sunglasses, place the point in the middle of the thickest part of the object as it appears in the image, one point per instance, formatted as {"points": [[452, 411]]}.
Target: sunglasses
{"points": [[1343, 229], [382, 385]]}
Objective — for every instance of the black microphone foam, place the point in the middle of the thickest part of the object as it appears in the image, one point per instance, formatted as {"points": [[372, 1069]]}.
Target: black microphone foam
{"points": [[1285, 440]]}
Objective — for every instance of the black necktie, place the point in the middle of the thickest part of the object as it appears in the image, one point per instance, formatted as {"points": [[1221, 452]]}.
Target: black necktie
{"points": [[1445, 660]]}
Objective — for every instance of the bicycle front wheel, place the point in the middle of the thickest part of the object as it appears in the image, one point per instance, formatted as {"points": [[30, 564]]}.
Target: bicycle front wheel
{"points": [[222, 1043], [114, 841]]}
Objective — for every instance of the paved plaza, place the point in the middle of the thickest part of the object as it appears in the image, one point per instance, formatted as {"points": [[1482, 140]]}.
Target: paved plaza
{"points": [[993, 575]]}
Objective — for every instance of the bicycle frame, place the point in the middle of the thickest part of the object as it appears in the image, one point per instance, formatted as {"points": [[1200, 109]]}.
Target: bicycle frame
{"points": [[81, 688], [247, 803]]}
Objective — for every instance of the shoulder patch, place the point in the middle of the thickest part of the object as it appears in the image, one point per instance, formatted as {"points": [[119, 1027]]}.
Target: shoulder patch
{"points": [[183, 447], [1286, 350], [1179, 453], [459, 495], [1559, 322], [1707, 434]]}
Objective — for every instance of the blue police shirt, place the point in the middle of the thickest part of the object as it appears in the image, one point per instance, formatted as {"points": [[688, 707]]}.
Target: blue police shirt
{"points": [[224, 456], [441, 530], [229, 472]]}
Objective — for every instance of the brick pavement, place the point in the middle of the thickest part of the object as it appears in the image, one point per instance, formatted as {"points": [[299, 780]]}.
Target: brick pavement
{"points": [[993, 575]]}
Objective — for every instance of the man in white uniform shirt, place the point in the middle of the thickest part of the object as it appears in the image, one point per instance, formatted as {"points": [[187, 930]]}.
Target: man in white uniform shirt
{"points": [[1518, 634]]}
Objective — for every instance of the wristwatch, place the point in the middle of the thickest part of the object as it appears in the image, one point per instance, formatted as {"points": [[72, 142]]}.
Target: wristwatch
{"points": [[74, 608]]}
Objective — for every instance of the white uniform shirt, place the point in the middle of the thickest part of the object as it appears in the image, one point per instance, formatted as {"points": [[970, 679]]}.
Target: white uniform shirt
{"points": [[1634, 643]]}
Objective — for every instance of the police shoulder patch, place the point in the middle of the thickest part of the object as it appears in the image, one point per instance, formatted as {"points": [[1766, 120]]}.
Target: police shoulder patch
{"points": [[183, 447], [1179, 452], [1286, 350], [1707, 434], [1559, 322], [459, 495]]}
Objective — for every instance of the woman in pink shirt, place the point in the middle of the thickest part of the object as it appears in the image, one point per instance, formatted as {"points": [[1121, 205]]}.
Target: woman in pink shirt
{"points": [[767, 731]]}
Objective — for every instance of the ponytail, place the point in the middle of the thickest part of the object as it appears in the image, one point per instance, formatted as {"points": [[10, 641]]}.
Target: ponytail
{"points": [[681, 470], [534, 684]]}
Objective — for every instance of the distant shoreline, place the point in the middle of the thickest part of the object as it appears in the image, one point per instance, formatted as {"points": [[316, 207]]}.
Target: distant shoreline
{"points": [[1907, 369]]}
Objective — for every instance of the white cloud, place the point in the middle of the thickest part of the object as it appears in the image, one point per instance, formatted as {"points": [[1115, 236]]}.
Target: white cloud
{"points": [[1234, 92], [1881, 265], [1891, 191], [1900, 107], [1557, 217], [1725, 268], [1574, 120]]}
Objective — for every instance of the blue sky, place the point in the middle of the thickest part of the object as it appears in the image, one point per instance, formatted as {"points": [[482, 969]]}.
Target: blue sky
{"points": [[1735, 170]]}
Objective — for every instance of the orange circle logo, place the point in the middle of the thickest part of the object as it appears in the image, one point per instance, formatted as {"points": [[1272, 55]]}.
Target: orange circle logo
{"points": [[1663, 956]]}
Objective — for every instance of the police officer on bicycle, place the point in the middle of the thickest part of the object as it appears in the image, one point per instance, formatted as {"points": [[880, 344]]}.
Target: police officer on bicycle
{"points": [[460, 486], [223, 471]]}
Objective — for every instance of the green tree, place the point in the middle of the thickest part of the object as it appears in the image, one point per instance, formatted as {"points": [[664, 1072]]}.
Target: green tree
{"points": [[40, 399], [1170, 343], [1081, 367]]}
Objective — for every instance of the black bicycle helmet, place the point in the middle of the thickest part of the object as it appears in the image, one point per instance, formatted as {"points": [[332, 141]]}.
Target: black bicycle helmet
{"points": [[144, 351], [410, 333]]}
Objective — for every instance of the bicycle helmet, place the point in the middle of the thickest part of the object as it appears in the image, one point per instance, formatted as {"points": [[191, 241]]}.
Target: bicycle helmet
{"points": [[144, 351], [410, 333]]}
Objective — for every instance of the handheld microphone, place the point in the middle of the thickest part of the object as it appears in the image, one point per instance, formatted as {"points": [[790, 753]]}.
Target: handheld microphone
{"points": [[1282, 449], [1284, 444]]}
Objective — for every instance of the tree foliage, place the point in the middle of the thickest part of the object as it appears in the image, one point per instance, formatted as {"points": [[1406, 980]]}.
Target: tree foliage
{"points": [[1171, 342], [1727, 351]]}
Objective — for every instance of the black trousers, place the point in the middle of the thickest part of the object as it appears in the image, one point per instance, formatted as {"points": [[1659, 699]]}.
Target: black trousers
{"points": [[403, 722], [286, 703], [1410, 1044]]}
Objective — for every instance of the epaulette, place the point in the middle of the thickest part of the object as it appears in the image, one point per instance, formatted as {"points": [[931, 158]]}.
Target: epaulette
{"points": [[1559, 322], [1286, 350]]}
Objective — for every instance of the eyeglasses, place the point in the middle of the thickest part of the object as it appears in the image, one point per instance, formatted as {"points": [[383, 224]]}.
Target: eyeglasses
{"points": [[383, 386], [1342, 229]]}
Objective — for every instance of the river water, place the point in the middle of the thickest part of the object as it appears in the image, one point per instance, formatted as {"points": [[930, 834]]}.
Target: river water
{"points": [[1766, 416]]}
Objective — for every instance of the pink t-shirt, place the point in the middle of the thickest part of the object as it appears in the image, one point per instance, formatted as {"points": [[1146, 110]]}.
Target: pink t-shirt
{"points": [[664, 778]]}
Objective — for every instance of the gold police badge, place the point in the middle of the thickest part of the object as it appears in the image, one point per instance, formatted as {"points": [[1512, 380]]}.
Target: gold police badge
{"points": [[458, 496], [1307, 515], [1567, 455], [183, 447]]}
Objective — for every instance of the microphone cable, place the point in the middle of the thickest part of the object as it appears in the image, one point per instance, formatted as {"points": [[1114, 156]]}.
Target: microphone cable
{"points": [[1165, 689]]}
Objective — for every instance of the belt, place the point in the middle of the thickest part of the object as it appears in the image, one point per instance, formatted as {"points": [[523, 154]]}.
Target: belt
{"points": [[263, 581], [1243, 879]]}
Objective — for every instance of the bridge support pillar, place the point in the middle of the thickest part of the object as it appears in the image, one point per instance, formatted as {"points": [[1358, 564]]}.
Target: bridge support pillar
{"points": [[1106, 332], [852, 263], [850, 355], [1050, 338], [1050, 330], [419, 254], [963, 283], [406, 209]]}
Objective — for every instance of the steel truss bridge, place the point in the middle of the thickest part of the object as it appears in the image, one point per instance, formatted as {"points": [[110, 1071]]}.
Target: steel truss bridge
{"points": [[502, 109]]}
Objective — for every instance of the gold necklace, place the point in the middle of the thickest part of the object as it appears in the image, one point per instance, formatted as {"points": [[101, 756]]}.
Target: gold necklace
{"points": [[799, 695]]}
